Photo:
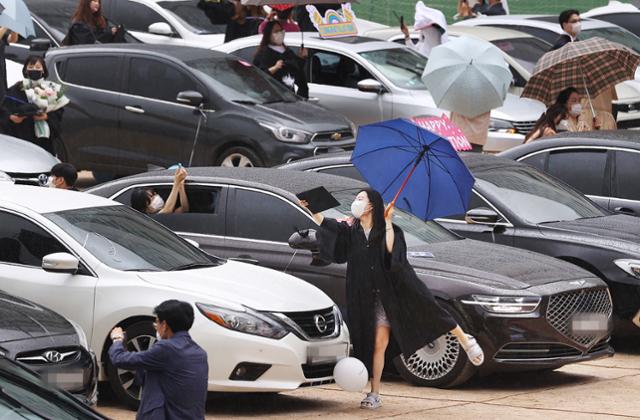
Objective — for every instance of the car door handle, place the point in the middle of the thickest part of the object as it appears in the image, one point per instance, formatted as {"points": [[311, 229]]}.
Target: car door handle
{"points": [[626, 210], [134, 109]]}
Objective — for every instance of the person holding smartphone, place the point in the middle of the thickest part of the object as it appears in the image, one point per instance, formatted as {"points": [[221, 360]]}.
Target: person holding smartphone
{"points": [[431, 24]]}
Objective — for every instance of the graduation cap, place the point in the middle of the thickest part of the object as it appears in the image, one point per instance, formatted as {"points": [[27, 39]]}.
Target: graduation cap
{"points": [[319, 199]]}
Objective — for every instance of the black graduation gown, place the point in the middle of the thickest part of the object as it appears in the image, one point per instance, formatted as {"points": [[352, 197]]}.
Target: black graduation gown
{"points": [[26, 130], [416, 318], [4, 41], [237, 30], [81, 33], [293, 68]]}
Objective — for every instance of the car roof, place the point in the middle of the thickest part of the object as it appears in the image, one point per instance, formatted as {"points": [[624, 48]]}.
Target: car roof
{"points": [[548, 22], [356, 44], [488, 33], [480, 162], [338, 158], [612, 7], [270, 178], [176, 51], [47, 200]]}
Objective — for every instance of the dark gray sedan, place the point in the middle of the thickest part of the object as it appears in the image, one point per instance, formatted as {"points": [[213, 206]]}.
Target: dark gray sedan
{"points": [[524, 308]]}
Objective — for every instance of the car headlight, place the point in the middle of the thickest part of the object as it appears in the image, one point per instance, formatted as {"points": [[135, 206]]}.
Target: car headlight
{"points": [[82, 337], [631, 267], [287, 134], [506, 304], [246, 321], [502, 126]]}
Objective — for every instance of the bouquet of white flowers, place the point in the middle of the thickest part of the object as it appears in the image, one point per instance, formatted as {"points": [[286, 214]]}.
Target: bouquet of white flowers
{"points": [[48, 97]]}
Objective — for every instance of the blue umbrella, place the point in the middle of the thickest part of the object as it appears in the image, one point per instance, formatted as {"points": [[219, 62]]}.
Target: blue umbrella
{"points": [[15, 16], [413, 168]]}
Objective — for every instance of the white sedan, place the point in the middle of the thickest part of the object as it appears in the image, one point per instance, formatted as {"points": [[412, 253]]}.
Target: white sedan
{"points": [[103, 265]]}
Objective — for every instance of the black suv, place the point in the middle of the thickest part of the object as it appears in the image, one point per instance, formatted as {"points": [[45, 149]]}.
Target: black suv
{"points": [[135, 105]]}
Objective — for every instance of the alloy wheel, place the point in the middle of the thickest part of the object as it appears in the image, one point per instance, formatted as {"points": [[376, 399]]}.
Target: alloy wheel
{"points": [[127, 377], [237, 160], [435, 360]]}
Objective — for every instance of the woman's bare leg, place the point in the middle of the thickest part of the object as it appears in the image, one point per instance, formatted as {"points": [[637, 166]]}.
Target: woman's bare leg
{"points": [[381, 343], [462, 338]]}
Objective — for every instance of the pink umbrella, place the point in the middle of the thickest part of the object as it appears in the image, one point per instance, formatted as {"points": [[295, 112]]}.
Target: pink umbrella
{"points": [[445, 128]]}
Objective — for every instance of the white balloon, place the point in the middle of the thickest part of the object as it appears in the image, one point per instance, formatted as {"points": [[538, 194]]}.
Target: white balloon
{"points": [[351, 374]]}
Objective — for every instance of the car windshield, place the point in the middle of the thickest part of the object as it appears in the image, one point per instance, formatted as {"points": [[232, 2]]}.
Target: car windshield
{"points": [[239, 81], [619, 35], [24, 396], [402, 66], [534, 196], [126, 240], [191, 17], [526, 51], [56, 13], [416, 232]]}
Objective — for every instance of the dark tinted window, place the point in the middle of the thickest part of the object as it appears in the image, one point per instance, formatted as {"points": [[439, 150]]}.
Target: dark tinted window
{"points": [[625, 181], [537, 161], [526, 51], [93, 71], [56, 13], [582, 169], [192, 17], [134, 16], [40, 33], [475, 202], [544, 34], [157, 79], [345, 171], [629, 21], [336, 70], [22, 242], [265, 217], [246, 54]]}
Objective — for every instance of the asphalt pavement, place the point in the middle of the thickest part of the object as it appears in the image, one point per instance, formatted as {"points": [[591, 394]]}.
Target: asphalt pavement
{"points": [[601, 389]]}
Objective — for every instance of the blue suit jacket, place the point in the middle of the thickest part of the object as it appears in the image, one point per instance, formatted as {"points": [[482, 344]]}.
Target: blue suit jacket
{"points": [[175, 377]]}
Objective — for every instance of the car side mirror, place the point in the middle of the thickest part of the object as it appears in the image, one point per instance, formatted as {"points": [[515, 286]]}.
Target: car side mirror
{"points": [[481, 216], [192, 242], [60, 262], [371, 85], [190, 97], [304, 239], [161, 28], [39, 44]]}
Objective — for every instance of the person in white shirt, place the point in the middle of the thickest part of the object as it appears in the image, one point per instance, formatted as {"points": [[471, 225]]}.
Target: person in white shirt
{"points": [[432, 25]]}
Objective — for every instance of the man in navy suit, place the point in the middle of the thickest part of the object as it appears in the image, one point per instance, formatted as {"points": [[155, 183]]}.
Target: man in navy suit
{"points": [[570, 23], [174, 370]]}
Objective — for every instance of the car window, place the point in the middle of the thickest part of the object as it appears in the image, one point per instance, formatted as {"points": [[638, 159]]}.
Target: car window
{"points": [[625, 180], [40, 33], [23, 242], [100, 72], [135, 16], [345, 171], [582, 169], [192, 17], [246, 54], [265, 217], [538, 160], [475, 202], [56, 13], [402, 66], [544, 34], [336, 70], [526, 51], [168, 80], [629, 21], [615, 34]]}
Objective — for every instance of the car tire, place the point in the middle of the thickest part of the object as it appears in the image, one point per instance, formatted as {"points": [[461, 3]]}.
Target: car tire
{"points": [[442, 363], [239, 157], [138, 337]]}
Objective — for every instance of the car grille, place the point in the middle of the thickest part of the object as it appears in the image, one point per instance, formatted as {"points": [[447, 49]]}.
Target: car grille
{"points": [[523, 127], [49, 356], [562, 307], [306, 323], [539, 351], [332, 136], [318, 371], [28, 179]]}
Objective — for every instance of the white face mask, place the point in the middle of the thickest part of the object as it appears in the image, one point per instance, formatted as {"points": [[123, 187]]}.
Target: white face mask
{"points": [[158, 338], [576, 109], [576, 28], [358, 208], [49, 182], [277, 38], [156, 204], [563, 125]]}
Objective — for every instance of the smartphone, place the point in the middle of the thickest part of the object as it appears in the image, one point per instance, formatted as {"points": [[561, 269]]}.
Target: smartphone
{"points": [[401, 21]]}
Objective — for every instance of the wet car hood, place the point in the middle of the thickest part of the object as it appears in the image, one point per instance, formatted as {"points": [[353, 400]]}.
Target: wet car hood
{"points": [[303, 115], [498, 265], [21, 319], [620, 232], [245, 284]]}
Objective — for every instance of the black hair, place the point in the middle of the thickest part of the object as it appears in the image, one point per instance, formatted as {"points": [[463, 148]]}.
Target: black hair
{"points": [[177, 314], [377, 214], [140, 199], [548, 119], [563, 97], [566, 15], [35, 59], [285, 14], [66, 171], [266, 35]]}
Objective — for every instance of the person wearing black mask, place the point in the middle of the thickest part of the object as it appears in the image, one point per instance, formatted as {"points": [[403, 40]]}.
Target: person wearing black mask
{"points": [[23, 115], [280, 62]]}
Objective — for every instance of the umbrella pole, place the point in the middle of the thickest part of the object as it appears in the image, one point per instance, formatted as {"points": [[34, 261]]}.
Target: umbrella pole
{"points": [[406, 180], [593, 112]]}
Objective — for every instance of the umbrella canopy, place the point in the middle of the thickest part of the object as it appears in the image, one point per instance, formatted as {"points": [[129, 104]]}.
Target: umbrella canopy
{"points": [[467, 76], [414, 168], [15, 16], [590, 66]]}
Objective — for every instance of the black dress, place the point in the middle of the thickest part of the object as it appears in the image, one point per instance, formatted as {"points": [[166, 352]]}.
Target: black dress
{"points": [[237, 30], [4, 41], [81, 33], [291, 72], [373, 273], [26, 129]]}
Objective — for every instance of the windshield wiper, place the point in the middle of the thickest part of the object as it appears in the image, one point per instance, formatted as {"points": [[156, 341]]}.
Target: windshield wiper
{"points": [[193, 265]]}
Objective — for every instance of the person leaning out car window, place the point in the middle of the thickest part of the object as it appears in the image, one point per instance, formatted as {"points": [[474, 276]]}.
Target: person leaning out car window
{"points": [[146, 200]]}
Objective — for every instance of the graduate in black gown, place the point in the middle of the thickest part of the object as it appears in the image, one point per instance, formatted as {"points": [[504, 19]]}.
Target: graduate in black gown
{"points": [[89, 26], [280, 61], [384, 294]]}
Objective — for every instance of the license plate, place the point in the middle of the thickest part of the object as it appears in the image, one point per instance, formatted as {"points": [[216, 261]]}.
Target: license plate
{"points": [[589, 324], [326, 353], [66, 380]]}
